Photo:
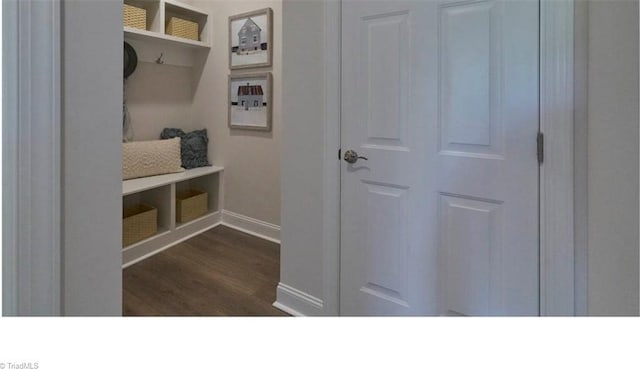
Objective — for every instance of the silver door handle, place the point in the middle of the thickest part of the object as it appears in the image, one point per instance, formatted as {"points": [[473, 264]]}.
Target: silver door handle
{"points": [[351, 157]]}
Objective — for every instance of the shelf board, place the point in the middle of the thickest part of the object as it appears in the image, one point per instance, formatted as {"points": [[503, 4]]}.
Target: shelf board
{"points": [[146, 183], [151, 36]]}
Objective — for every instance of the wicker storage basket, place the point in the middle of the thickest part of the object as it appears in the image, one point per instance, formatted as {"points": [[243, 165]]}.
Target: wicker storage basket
{"points": [[183, 28], [190, 204], [134, 17], [138, 222]]}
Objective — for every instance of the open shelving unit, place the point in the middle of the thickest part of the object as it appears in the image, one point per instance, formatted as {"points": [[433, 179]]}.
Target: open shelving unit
{"points": [[153, 41], [160, 192]]}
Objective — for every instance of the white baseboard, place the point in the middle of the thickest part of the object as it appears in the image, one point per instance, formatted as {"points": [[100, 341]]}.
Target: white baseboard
{"points": [[169, 245], [296, 302], [254, 227], [146, 248], [149, 247]]}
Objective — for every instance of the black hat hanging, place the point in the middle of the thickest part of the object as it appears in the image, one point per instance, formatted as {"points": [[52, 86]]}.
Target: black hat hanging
{"points": [[130, 64], [130, 60]]}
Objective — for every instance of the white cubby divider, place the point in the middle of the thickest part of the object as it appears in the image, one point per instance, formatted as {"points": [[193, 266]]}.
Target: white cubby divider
{"points": [[160, 192]]}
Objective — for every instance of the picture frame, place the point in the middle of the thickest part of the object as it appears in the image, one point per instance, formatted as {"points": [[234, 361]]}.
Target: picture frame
{"points": [[250, 104], [251, 39]]}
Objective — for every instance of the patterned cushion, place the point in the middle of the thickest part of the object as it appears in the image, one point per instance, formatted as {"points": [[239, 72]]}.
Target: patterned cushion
{"points": [[149, 158], [193, 146]]}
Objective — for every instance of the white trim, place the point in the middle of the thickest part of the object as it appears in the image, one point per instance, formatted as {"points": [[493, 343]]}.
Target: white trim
{"points": [[331, 165], [287, 309], [556, 173], [296, 302], [167, 239], [10, 64], [169, 245], [32, 98], [164, 240], [139, 251], [252, 226], [556, 181]]}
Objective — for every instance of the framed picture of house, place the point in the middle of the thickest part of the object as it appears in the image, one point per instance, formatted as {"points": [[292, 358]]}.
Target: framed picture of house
{"points": [[250, 104], [251, 39]]}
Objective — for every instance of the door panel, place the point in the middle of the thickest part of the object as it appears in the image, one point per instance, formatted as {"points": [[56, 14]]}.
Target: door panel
{"points": [[471, 242], [442, 218], [378, 275], [385, 68], [470, 79]]}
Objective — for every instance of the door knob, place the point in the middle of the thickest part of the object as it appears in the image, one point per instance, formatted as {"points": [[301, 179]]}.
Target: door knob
{"points": [[351, 157]]}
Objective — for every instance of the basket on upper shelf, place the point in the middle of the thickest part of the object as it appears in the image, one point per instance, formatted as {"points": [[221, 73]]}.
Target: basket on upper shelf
{"points": [[183, 28], [134, 17]]}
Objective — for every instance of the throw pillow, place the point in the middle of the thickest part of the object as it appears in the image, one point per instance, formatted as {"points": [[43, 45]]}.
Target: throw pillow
{"points": [[149, 158], [194, 146]]}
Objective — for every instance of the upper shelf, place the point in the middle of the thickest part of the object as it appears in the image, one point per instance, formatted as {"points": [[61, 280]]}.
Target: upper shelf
{"points": [[158, 14], [140, 34]]}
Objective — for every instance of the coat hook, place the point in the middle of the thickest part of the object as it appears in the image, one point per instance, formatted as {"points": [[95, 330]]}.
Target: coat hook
{"points": [[159, 60]]}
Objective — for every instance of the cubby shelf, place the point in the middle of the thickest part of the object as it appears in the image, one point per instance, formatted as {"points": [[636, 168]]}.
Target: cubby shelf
{"points": [[152, 45], [146, 183], [155, 37], [153, 41], [160, 192]]}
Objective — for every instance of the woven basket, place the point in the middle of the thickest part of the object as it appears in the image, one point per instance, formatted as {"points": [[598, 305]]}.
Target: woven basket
{"points": [[138, 222], [134, 17], [190, 204], [183, 28]]}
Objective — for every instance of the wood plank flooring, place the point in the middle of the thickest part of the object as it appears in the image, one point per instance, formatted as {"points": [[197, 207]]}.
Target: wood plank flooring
{"points": [[221, 272]]}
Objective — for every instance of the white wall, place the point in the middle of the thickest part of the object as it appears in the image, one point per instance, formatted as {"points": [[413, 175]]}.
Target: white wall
{"points": [[613, 158], [301, 252], [160, 96], [92, 167], [251, 159]]}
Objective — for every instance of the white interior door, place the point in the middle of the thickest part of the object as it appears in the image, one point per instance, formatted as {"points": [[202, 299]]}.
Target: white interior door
{"points": [[441, 97]]}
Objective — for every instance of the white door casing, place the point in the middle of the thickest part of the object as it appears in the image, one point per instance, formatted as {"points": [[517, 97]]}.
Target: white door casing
{"points": [[32, 236], [442, 97]]}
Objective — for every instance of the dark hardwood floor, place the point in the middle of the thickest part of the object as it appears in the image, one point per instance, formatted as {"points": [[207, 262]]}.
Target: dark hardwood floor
{"points": [[221, 272]]}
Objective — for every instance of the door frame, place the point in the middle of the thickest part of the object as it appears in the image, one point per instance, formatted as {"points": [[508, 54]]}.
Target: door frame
{"points": [[41, 273], [557, 268], [31, 244]]}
